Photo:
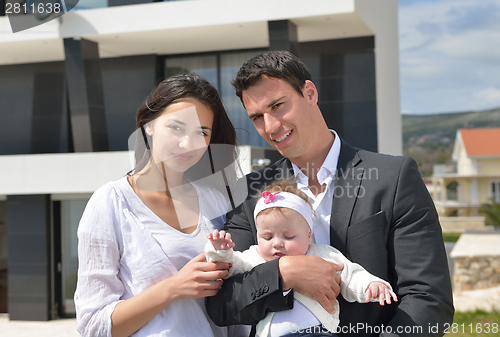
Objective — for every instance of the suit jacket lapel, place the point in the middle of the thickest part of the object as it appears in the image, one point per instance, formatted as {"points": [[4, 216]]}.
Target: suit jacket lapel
{"points": [[347, 180]]}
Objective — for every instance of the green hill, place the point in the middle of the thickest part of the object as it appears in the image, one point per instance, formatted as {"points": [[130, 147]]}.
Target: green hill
{"points": [[429, 138]]}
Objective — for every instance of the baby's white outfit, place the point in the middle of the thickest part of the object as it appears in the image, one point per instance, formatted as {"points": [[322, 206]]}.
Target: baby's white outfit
{"points": [[354, 280]]}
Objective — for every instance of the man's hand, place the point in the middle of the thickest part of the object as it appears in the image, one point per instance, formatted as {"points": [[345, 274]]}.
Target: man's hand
{"points": [[313, 277]]}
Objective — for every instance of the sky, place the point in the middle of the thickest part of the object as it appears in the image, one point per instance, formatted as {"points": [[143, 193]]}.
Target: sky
{"points": [[449, 55]]}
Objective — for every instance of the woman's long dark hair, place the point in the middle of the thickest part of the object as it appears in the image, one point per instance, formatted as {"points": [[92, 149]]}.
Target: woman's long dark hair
{"points": [[217, 157]]}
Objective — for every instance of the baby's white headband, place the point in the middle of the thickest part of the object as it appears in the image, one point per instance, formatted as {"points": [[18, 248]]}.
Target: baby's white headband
{"points": [[284, 199]]}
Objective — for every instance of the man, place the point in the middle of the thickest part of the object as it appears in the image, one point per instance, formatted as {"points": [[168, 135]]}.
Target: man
{"points": [[374, 208]]}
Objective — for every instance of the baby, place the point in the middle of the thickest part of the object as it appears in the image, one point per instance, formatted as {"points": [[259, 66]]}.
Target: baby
{"points": [[284, 222]]}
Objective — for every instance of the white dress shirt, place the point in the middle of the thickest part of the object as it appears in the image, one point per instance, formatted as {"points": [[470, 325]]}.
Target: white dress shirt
{"points": [[124, 248], [322, 203]]}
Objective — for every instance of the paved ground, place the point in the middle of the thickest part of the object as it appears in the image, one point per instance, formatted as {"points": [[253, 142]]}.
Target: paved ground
{"points": [[484, 299], [58, 328]]}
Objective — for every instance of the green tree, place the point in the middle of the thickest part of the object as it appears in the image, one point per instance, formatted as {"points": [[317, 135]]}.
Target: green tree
{"points": [[492, 213]]}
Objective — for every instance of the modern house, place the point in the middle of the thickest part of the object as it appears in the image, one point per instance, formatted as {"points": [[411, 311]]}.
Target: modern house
{"points": [[70, 87], [473, 178]]}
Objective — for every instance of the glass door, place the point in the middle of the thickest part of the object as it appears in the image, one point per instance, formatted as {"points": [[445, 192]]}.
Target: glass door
{"points": [[71, 213], [3, 258]]}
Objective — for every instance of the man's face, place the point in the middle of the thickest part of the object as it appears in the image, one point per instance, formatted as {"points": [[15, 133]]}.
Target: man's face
{"points": [[284, 118]]}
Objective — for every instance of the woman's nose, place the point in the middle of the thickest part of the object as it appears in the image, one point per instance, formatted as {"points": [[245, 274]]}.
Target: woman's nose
{"points": [[185, 142]]}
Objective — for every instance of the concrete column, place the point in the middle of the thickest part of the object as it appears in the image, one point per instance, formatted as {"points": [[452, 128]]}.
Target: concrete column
{"points": [[283, 36], [86, 96]]}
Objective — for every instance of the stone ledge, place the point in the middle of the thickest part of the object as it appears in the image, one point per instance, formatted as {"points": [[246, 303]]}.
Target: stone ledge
{"points": [[476, 262]]}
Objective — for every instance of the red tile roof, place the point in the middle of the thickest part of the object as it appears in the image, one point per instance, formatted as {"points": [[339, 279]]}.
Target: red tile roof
{"points": [[481, 142]]}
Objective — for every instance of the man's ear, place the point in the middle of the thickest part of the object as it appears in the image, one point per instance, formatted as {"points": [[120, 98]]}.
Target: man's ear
{"points": [[309, 90], [149, 128]]}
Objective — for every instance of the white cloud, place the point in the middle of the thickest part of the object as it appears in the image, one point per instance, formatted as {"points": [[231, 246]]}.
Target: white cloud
{"points": [[449, 52], [488, 95]]}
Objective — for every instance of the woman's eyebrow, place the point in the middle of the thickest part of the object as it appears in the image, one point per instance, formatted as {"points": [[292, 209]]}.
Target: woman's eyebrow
{"points": [[177, 121]]}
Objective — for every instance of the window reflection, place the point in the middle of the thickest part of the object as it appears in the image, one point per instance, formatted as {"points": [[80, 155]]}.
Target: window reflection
{"points": [[229, 65], [205, 66], [86, 4]]}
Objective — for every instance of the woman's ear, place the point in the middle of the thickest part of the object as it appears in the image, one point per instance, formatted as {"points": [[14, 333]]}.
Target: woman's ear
{"points": [[149, 128], [310, 236]]}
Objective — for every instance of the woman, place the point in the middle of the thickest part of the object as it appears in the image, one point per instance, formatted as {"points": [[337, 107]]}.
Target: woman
{"points": [[141, 238]]}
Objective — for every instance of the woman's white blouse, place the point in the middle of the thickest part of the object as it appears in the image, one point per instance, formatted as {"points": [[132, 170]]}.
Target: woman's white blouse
{"points": [[125, 248]]}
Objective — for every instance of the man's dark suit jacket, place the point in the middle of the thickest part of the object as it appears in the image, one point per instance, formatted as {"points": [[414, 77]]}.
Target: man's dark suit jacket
{"points": [[382, 218]]}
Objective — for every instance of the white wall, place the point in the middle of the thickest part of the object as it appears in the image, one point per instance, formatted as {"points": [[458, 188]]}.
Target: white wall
{"points": [[382, 18], [61, 173]]}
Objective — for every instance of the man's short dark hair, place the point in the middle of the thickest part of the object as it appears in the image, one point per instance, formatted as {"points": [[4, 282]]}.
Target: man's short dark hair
{"points": [[277, 64]]}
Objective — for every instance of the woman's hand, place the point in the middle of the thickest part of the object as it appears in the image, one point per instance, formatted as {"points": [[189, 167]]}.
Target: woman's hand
{"points": [[198, 278]]}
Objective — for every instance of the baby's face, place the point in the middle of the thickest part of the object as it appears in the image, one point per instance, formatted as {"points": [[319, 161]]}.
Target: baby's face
{"points": [[282, 232]]}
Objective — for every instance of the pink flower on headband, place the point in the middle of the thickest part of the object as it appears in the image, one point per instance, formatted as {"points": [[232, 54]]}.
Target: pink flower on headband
{"points": [[268, 196]]}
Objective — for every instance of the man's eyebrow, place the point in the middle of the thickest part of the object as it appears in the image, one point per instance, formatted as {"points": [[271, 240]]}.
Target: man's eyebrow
{"points": [[273, 102]]}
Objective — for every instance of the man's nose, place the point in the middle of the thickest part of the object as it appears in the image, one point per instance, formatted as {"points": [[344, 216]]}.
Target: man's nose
{"points": [[271, 123]]}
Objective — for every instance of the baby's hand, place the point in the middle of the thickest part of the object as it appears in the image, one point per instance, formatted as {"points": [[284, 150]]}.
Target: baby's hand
{"points": [[220, 240], [380, 290]]}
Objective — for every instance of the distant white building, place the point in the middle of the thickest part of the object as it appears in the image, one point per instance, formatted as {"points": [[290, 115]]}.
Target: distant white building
{"points": [[473, 178]]}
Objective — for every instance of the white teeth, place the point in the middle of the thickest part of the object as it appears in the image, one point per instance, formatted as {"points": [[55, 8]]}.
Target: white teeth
{"points": [[282, 138]]}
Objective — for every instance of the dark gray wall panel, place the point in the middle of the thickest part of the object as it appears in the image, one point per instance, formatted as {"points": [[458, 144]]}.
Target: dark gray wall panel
{"points": [[28, 234], [49, 110], [33, 109], [127, 82]]}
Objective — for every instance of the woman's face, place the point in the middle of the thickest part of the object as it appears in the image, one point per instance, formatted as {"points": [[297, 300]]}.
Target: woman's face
{"points": [[181, 134]]}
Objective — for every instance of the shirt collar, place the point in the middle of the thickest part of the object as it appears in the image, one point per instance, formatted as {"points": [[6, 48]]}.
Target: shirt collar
{"points": [[329, 166]]}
